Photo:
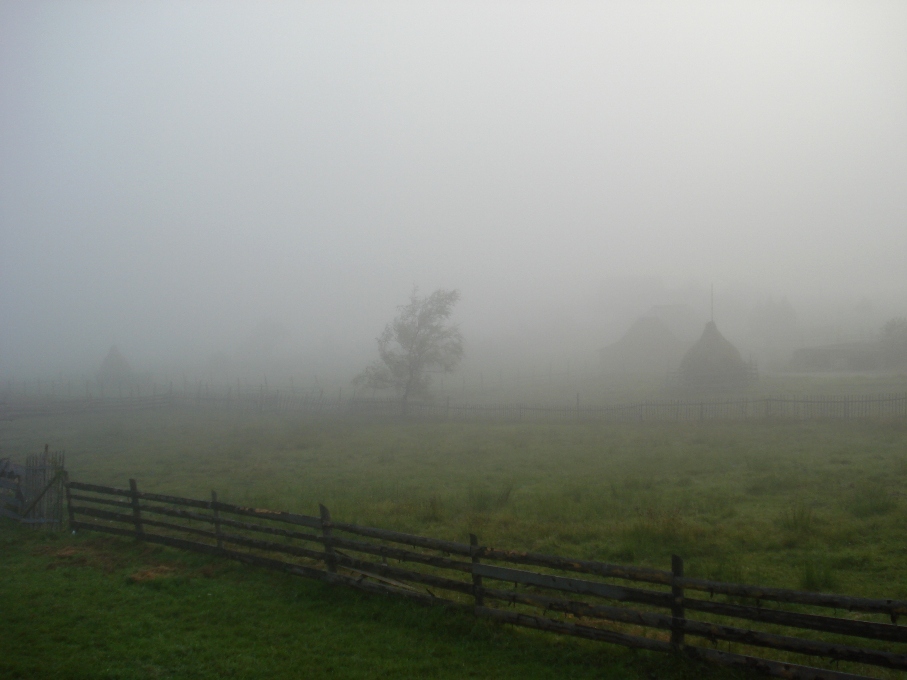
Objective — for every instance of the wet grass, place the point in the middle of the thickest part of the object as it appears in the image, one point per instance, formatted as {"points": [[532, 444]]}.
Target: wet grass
{"points": [[766, 495], [79, 607], [814, 506]]}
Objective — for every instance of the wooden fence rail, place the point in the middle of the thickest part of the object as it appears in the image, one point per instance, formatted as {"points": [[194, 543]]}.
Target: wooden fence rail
{"points": [[572, 597]]}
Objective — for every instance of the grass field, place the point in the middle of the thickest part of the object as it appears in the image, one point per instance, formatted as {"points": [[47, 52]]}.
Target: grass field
{"points": [[815, 505], [92, 607]]}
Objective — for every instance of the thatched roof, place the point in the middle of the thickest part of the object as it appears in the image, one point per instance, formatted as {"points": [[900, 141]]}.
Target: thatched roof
{"points": [[713, 363], [114, 369], [648, 346]]}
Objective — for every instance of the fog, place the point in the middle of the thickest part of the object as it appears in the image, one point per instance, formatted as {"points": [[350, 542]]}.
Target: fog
{"points": [[222, 187]]}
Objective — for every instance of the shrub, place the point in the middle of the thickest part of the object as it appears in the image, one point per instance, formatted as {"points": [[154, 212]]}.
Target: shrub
{"points": [[798, 518]]}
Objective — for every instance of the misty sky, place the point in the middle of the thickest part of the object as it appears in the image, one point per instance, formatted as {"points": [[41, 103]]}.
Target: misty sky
{"points": [[174, 173]]}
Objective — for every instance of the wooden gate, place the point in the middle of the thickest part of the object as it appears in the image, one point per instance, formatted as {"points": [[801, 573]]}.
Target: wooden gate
{"points": [[33, 493]]}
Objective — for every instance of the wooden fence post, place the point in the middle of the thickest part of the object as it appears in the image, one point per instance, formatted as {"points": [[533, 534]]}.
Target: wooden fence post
{"points": [[477, 591], [677, 609], [330, 556], [72, 515], [136, 514], [214, 510]]}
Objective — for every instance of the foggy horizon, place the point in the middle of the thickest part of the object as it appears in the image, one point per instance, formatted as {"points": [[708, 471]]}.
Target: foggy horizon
{"points": [[179, 177]]}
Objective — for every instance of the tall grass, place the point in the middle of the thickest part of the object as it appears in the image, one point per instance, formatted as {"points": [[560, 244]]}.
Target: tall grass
{"points": [[798, 518], [869, 499], [760, 496], [816, 573]]}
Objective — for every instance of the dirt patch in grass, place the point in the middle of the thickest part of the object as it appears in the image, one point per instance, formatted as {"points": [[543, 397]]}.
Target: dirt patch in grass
{"points": [[212, 570], [152, 573], [100, 554], [147, 563]]}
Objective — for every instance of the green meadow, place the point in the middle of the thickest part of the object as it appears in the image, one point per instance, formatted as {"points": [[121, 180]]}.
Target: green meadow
{"points": [[812, 505], [89, 607]]}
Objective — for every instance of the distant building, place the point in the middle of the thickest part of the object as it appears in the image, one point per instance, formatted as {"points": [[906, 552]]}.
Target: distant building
{"points": [[713, 364], [115, 370], [648, 347]]}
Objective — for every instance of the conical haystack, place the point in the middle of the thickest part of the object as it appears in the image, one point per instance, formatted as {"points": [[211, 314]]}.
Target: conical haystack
{"points": [[115, 370], [714, 364]]}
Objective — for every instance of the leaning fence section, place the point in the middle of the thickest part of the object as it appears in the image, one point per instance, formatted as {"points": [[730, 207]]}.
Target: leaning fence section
{"points": [[783, 633]]}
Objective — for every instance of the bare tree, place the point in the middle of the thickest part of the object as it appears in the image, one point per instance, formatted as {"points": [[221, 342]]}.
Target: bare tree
{"points": [[419, 341]]}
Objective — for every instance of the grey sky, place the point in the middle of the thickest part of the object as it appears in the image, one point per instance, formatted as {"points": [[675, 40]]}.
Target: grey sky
{"points": [[172, 173]]}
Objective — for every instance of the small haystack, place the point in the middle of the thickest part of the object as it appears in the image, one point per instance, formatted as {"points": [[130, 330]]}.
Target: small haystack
{"points": [[115, 370], [713, 364]]}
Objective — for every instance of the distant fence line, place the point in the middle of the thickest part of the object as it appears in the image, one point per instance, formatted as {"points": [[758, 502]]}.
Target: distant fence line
{"points": [[875, 407], [844, 407], [556, 594]]}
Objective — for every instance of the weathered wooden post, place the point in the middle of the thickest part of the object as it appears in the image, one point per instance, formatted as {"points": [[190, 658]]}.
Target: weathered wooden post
{"points": [[72, 515], [477, 591], [136, 513], [677, 609], [330, 560], [216, 513]]}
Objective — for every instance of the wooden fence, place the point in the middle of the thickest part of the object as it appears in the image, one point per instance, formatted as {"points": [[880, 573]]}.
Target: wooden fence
{"points": [[33, 493], [583, 598], [844, 407], [35, 408]]}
